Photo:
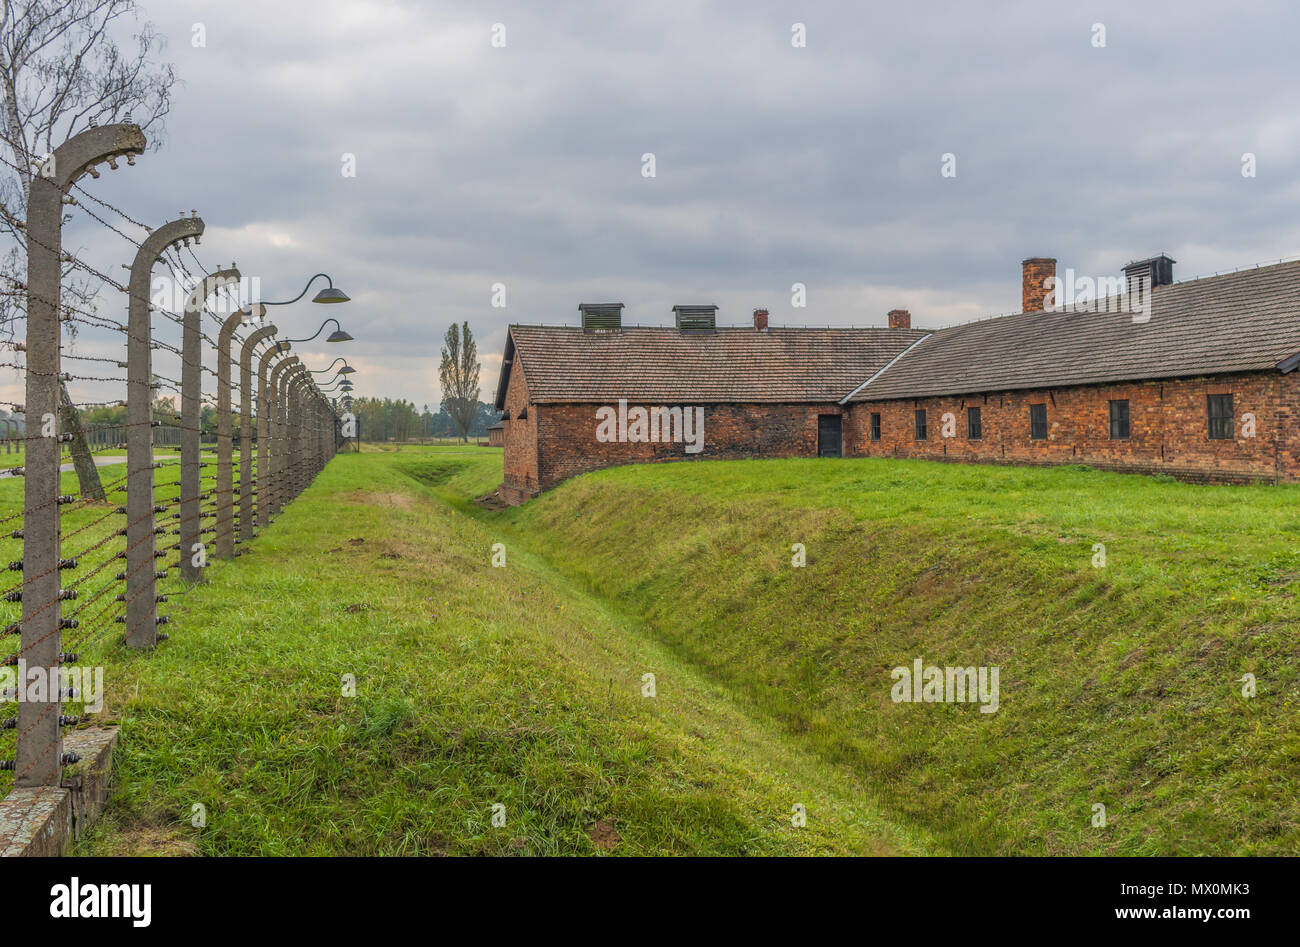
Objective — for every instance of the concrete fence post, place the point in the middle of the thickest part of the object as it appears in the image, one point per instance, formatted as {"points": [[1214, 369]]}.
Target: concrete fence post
{"points": [[296, 383], [299, 427], [225, 538], [191, 416], [313, 433], [309, 467], [246, 478], [275, 481], [141, 578], [322, 445], [39, 757], [321, 457], [264, 403]]}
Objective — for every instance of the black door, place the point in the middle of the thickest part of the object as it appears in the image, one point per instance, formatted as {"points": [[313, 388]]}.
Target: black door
{"points": [[829, 437]]}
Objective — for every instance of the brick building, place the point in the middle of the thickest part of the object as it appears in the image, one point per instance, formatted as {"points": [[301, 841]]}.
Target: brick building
{"points": [[764, 392], [1198, 381]]}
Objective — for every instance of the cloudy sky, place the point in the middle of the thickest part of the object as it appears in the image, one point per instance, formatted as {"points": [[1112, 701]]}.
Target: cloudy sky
{"points": [[522, 163]]}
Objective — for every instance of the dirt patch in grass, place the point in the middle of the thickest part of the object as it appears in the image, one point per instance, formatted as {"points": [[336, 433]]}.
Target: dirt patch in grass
{"points": [[603, 835], [156, 840], [492, 501], [401, 501]]}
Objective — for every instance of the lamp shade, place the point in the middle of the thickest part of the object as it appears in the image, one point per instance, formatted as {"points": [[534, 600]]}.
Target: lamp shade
{"points": [[339, 336], [331, 294]]}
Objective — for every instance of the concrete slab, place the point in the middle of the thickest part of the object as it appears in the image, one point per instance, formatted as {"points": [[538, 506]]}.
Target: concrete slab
{"points": [[43, 821], [35, 822]]}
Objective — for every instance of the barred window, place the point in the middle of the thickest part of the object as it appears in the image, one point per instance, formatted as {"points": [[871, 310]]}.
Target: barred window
{"points": [[1119, 419], [1219, 409], [920, 424], [875, 425], [1038, 421], [974, 429]]}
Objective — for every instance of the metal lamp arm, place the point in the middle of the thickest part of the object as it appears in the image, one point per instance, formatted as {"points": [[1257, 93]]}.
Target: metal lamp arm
{"points": [[318, 331], [322, 371], [287, 302]]}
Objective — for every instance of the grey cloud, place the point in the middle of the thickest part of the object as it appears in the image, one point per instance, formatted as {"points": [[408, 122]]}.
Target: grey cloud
{"points": [[775, 165]]}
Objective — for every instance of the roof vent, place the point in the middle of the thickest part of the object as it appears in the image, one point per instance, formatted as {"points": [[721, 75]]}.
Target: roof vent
{"points": [[598, 317], [1157, 271], [696, 318]]}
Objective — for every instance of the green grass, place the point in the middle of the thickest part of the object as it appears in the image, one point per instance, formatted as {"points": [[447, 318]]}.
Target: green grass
{"points": [[522, 685], [474, 686], [1119, 685]]}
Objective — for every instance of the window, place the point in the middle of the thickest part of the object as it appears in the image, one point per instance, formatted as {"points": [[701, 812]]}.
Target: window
{"points": [[1119, 420], [920, 424], [1038, 421], [974, 431], [1219, 408], [875, 425]]}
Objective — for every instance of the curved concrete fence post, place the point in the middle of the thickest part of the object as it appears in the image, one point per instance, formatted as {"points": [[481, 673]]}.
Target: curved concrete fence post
{"points": [[246, 479], [300, 384], [313, 430], [191, 418], [310, 447], [39, 756], [141, 577], [225, 450], [275, 472], [298, 387], [322, 442], [264, 403], [297, 382]]}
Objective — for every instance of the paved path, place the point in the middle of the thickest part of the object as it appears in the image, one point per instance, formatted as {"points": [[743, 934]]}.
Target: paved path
{"points": [[17, 460]]}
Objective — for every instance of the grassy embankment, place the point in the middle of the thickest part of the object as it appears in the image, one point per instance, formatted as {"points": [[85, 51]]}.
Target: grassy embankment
{"points": [[1120, 685], [474, 686], [521, 685]]}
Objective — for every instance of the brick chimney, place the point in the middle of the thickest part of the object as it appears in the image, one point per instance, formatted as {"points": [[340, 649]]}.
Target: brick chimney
{"points": [[1034, 274], [900, 319], [760, 320]]}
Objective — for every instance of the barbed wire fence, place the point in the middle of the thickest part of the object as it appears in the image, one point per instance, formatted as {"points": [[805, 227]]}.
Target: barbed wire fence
{"points": [[94, 572]]}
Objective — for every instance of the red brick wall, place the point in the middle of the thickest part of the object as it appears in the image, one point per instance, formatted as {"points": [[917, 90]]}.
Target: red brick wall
{"points": [[1167, 420], [567, 443], [521, 480]]}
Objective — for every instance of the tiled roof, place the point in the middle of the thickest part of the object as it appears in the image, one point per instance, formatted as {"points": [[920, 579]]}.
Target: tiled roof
{"points": [[662, 365], [1246, 321]]}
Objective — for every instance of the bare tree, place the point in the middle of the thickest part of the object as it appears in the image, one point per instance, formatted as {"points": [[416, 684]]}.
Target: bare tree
{"points": [[459, 376], [62, 71]]}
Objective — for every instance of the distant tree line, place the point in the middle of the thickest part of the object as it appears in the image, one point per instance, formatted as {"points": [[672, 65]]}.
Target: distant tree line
{"points": [[399, 420], [164, 410]]}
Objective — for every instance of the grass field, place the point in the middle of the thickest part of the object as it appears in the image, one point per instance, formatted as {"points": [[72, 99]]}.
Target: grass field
{"points": [[522, 685], [474, 686]]}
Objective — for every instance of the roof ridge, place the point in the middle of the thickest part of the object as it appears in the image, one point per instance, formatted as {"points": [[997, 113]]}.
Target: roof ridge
{"points": [[739, 327], [1220, 274]]}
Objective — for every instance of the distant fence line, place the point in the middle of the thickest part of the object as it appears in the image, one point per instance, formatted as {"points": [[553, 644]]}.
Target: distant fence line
{"points": [[108, 436]]}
